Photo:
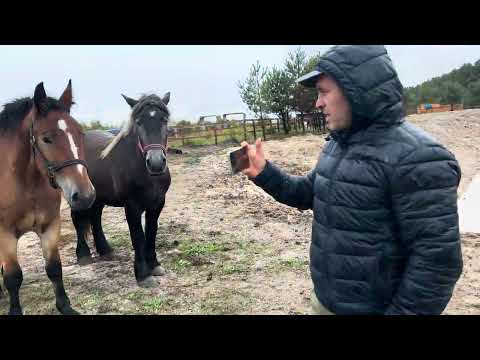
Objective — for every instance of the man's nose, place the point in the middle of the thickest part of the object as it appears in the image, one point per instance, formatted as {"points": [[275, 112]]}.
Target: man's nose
{"points": [[320, 103]]}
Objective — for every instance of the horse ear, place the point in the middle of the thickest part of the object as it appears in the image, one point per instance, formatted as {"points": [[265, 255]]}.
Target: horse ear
{"points": [[130, 101], [166, 98], [67, 98], [40, 97]]}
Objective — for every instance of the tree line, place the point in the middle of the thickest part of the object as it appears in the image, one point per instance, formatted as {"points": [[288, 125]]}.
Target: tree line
{"points": [[274, 91], [460, 86]]}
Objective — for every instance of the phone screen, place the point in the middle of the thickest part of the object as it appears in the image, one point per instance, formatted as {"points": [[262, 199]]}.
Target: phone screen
{"points": [[239, 160]]}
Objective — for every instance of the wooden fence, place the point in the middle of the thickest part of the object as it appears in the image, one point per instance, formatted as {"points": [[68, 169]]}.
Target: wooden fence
{"points": [[246, 129]]}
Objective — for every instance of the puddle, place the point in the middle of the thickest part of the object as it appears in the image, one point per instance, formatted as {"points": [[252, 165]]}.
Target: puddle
{"points": [[469, 207]]}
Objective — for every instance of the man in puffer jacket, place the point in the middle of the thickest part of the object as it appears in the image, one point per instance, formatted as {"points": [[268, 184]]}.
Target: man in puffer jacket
{"points": [[385, 235]]}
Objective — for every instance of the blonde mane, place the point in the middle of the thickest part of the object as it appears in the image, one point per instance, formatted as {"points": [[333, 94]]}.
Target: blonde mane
{"points": [[125, 131], [128, 126]]}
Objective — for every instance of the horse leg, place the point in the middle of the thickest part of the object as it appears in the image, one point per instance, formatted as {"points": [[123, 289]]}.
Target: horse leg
{"points": [[12, 273], [151, 227], [101, 244], [53, 266], [1, 273], [81, 222], [133, 213]]}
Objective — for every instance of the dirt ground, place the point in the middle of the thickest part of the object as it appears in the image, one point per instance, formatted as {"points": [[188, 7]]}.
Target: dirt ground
{"points": [[228, 247]]}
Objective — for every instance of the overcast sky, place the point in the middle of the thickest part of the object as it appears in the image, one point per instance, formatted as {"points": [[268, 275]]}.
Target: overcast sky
{"points": [[202, 79]]}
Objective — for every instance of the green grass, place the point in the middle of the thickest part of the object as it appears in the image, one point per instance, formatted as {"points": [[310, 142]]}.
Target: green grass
{"points": [[294, 264], [119, 239], [181, 264], [156, 304], [136, 295], [91, 301], [234, 268], [146, 303], [232, 135], [198, 249]]}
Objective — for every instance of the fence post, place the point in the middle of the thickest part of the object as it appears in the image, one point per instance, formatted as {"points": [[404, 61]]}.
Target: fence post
{"points": [[278, 124], [254, 130], [263, 129], [245, 129], [215, 134]]}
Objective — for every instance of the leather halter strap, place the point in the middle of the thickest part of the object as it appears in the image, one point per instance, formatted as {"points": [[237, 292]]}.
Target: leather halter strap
{"points": [[51, 166]]}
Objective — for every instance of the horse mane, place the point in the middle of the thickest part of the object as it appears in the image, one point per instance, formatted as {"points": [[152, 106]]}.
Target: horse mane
{"points": [[15, 111], [127, 127]]}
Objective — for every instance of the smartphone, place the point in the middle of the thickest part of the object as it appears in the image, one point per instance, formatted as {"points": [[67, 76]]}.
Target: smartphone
{"points": [[239, 160]]}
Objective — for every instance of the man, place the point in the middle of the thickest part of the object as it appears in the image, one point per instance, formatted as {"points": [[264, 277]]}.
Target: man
{"points": [[385, 235]]}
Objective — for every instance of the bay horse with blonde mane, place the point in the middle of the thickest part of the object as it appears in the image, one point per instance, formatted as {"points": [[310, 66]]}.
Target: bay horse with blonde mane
{"points": [[42, 149]]}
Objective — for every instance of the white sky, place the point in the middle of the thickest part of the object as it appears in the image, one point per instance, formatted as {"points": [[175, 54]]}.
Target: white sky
{"points": [[202, 79]]}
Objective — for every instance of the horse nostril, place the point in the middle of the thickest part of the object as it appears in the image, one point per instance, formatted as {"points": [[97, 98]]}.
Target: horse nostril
{"points": [[75, 197], [149, 163]]}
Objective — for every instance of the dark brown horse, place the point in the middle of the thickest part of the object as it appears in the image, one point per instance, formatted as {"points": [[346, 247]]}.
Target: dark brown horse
{"points": [[42, 156], [129, 170]]}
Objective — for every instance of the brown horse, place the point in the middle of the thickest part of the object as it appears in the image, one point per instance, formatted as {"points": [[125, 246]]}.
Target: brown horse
{"points": [[43, 156], [129, 170]]}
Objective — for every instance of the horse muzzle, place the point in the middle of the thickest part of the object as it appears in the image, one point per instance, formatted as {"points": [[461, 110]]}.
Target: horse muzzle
{"points": [[78, 197], [81, 200], [156, 162]]}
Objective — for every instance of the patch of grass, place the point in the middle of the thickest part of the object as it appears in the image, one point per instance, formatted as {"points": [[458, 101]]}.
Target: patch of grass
{"points": [[39, 297], [91, 301], [119, 239], [198, 142], [181, 264], [156, 304], [235, 268], [294, 264], [136, 295], [197, 249]]}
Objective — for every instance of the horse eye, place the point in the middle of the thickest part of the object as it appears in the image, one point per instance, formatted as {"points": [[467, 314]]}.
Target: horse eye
{"points": [[139, 122], [47, 140]]}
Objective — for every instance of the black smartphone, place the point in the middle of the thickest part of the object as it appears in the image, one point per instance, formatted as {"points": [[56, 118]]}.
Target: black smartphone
{"points": [[239, 160]]}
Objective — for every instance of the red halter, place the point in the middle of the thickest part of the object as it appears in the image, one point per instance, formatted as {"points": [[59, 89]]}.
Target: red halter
{"points": [[144, 150]]}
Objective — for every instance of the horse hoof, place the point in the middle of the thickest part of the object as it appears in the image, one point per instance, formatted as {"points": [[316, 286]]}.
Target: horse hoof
{"points": [[158, 271], [148, 282], [85, 260], [107, 257], [67, 310], [15, 311]]}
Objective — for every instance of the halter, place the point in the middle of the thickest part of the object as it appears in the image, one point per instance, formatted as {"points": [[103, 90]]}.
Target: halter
{"points": [[51, 166], [144, 150]]}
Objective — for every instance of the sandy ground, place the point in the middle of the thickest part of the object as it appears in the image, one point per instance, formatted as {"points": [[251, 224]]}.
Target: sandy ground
{"points": [[228, 247]]}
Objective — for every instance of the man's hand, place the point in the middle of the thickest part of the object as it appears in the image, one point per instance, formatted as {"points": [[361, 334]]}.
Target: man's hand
{"points": [[256, 158]]}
